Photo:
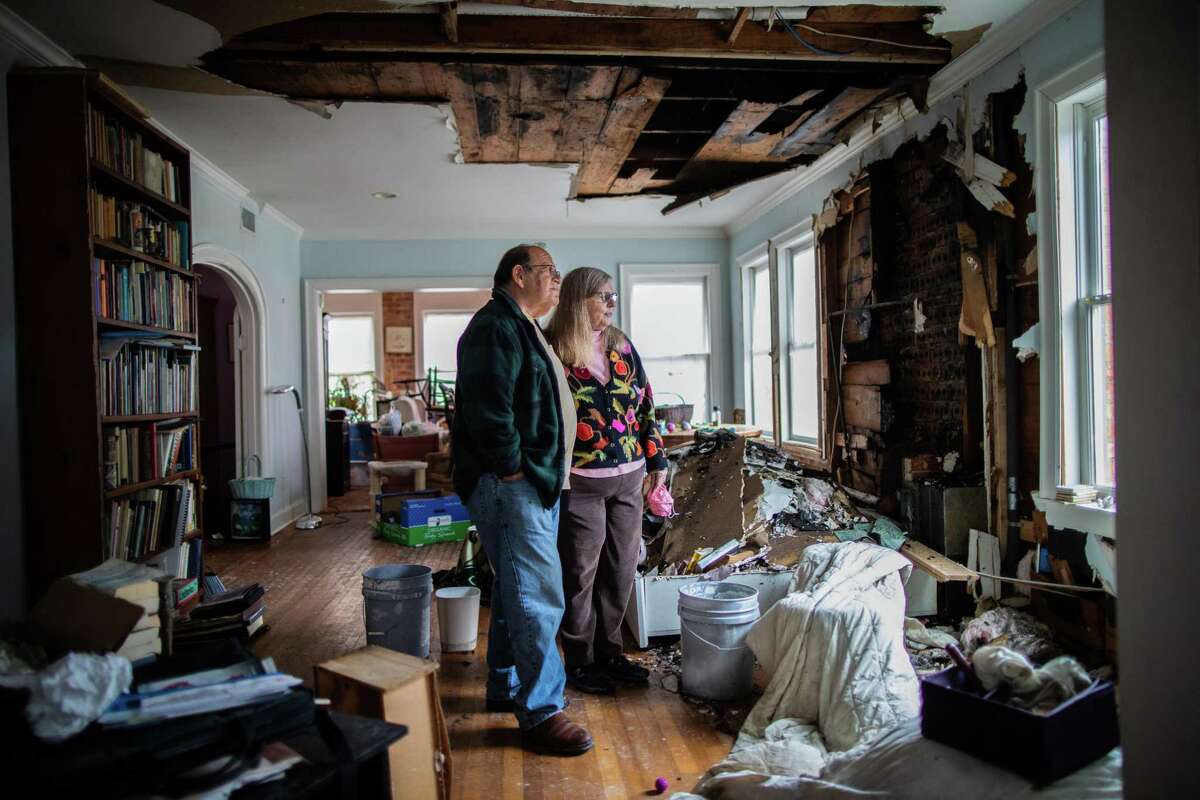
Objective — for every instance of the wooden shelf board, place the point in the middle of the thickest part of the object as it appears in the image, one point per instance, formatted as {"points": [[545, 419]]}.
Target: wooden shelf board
{"points": [[130, 488], [149, 195], [133, 326], [148, 417], [126, 252]]}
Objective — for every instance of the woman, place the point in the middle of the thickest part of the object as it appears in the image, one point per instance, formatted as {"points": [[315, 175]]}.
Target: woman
{"points": [[618, 458]]}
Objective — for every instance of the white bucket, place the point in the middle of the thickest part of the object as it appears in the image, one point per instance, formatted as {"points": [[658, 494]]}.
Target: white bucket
{"points": [[714, 618], [458, 617]]}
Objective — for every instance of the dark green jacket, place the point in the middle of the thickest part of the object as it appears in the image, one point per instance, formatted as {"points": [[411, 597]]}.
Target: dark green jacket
{"points": [[507, 417]]}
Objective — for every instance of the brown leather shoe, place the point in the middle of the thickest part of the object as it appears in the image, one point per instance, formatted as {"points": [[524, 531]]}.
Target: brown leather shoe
{"points": [[557, 736]]}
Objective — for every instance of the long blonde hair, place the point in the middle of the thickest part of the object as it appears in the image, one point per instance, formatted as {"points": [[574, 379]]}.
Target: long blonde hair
{"points": [[570, 329]]}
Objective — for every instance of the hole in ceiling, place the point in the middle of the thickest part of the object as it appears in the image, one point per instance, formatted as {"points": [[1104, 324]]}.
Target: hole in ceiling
{"points": [[529, 116]]}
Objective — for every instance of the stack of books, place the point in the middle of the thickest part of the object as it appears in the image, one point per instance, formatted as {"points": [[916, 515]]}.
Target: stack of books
{"points": [[234, 612], [1076, 493], [135, 584]]}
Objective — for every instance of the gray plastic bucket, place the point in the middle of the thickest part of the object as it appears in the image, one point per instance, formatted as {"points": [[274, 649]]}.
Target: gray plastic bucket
{"points": [[396, 600], [714, 618]]}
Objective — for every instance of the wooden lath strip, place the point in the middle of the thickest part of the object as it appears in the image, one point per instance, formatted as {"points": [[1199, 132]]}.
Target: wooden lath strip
{"points": [[460, 87], [736, 140], [601, 9], [630, 111], [449, 15], [814, 135], [743, 14]]}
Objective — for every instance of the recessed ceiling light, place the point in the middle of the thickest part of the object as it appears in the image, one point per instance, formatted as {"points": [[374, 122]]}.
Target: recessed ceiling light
{"points": [[384, 195]]}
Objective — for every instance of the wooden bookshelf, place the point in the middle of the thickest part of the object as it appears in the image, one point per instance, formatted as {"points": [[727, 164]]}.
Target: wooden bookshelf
{"points": [[55, 169]]}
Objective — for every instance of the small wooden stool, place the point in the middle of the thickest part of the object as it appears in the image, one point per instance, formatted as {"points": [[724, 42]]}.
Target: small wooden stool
{"points": [[379, 469]]}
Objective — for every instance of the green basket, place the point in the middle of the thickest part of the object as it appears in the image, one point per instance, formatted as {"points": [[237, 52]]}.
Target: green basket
{"points": [[247, 488]]}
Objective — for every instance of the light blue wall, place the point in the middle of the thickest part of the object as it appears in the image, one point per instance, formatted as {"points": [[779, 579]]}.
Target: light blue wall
{"points": [[467, 257], [273, 254], [1072, 38]]}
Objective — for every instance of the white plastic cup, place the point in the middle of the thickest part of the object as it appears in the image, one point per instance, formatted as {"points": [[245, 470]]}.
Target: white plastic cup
{"points": [[458, 618]]}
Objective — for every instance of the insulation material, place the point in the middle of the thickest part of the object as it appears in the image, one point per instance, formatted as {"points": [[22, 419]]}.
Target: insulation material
{"points": [[1013, 629]]}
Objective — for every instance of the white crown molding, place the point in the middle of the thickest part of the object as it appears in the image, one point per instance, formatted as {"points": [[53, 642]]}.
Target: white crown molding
{"points": [[283, 219], [994, 46], [39, 47]]}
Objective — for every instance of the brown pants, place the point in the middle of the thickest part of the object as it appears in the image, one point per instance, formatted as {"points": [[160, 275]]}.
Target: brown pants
{"points": [[598, 536]]}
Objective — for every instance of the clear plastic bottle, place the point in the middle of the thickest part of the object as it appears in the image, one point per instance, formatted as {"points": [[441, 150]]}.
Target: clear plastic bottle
{"points": [[716, 415]]}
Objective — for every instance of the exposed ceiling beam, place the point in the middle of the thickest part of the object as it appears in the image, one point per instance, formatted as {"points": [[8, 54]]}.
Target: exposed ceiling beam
{"points": [[742, 15], [449, 15], [601, 9], [628, 114], [814, 135], [905, 43]]}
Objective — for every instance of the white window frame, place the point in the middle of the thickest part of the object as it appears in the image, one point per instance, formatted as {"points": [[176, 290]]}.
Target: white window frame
{"points": [[749, 263], [422, 368], [630, 275], [798, 237], [1064, 244]]}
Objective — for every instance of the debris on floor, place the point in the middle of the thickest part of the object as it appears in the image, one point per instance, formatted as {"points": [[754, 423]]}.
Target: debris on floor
{"points": [[665, 662]]}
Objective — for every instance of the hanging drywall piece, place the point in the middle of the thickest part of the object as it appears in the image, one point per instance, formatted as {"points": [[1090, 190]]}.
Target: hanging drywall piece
{"points": [[983, 555], [1102, 557], [1029, 342], [919, 318]]}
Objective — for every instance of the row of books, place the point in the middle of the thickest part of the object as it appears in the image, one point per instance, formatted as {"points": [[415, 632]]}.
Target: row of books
{"points": [[150, 520], [147, 374], [139, 227], [134, 291], [139, 454], [122, 150], [137, 584]]}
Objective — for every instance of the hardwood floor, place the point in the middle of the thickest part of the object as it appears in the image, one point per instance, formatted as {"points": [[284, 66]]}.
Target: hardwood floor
{"points": [[314, 609]]}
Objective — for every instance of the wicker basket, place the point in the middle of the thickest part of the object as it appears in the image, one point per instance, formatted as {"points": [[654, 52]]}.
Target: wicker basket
{"points": [[248, 488], [676, 414]]}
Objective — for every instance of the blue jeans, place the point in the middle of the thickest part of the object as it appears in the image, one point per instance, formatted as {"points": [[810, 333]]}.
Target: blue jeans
{"points": [[520, 536]]}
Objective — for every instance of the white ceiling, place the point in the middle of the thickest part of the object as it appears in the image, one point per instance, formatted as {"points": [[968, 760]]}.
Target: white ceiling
{"points": [[321, 172]]}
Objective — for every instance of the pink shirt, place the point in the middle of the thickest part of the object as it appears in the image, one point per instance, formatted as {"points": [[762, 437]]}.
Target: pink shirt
{"points": [[597, 364]]}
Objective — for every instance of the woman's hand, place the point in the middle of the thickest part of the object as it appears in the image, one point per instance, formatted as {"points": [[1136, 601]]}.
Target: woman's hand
{"points": [[653, 480]]}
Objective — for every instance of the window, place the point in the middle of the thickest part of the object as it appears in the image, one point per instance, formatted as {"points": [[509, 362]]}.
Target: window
{"points": [[786, 271], [759, 379], [440, 332], [1075, 283], [350, 348], [803, 363], [670, 314]]}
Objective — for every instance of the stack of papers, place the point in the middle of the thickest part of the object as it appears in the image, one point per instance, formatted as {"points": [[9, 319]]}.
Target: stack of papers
{"points": [[139, 709], [1076, 493]]}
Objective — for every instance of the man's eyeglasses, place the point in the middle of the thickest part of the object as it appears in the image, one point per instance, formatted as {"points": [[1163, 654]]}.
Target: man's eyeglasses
{"points": [[605, 297], [552, 271]]}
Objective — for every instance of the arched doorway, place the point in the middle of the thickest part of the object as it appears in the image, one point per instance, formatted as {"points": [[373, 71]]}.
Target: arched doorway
{"points": [[232, 324]]}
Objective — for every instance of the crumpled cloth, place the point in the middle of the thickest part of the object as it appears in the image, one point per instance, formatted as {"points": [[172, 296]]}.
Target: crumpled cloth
{"points": [[71, 693], [660, 502]]}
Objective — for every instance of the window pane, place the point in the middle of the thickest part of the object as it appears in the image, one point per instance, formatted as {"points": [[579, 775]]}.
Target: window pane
{"points": [[439, 340], [669, 319], [760, 388], [804, 412], [351, 345], [1104, 405], [686, 377], [1101, 151], [760, 326]]}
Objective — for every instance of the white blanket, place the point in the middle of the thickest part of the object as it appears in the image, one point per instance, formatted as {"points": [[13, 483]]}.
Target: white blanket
{"points": [[840, 715], [839, 674]]}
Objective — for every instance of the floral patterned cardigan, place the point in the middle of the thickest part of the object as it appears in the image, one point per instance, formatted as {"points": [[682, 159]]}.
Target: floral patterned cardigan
{"points": [[616, 419]]}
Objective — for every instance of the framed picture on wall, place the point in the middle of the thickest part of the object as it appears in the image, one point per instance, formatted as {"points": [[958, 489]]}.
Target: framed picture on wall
{"points": [[250, 520], [398, 339]]}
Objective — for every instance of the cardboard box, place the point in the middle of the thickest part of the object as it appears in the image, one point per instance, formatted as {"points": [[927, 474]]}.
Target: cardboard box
{"points": [[422, 534], [413, 519], [395, 687]]}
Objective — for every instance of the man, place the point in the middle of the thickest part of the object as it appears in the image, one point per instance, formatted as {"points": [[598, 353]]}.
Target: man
{"points": [[514, 430]]}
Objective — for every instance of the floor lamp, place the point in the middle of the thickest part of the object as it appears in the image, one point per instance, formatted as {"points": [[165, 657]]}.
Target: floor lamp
{"points": [[310, 520]]}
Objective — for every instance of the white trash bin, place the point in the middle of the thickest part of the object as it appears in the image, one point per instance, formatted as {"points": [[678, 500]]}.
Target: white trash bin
{"points": [[714, 618], [458, 617]]}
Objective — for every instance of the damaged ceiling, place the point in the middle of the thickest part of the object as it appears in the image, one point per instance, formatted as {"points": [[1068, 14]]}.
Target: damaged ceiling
{"points": [[654, 104], [645, 102]]}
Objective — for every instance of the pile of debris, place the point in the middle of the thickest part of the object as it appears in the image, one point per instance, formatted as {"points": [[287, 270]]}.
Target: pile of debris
{"points": [[745, 505], [665, 662]]}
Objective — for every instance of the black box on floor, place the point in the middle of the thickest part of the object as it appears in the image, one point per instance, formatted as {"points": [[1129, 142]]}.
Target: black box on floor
{"points": [[1042, 747]]}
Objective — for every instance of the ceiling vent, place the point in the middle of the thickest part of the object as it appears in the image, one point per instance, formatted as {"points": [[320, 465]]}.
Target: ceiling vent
{"points": [[248, 219]]}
